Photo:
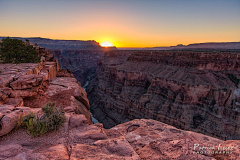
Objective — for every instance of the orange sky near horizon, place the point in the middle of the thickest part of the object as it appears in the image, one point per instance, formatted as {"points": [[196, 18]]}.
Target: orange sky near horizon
{"points": [[124, 23]]}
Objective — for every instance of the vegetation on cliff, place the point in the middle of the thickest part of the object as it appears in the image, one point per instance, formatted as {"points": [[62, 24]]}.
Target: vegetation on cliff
{"points": [[51, 119], [15, 51]]}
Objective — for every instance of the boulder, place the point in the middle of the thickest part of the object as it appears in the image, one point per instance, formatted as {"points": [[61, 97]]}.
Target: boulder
{"points": [[27, 82], [9, 121]]}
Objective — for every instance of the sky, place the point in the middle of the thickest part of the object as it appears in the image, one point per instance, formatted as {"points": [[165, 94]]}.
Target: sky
{"points": [[124, 23]]}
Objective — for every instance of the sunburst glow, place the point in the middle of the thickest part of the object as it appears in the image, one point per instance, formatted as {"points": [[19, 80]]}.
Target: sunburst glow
{"points": [[106, 44]]}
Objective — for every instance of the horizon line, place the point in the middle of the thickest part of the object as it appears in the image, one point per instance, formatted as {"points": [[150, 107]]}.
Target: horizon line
{"points": [[122, 47]]}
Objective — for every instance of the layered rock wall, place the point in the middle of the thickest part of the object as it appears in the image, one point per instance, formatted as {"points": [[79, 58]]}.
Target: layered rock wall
{"points": [[81, 63], [188, 90]]}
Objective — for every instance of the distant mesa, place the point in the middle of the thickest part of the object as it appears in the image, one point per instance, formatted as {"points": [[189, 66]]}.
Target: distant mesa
{"points": [[61, 44], [180, 45], [210, 45]]}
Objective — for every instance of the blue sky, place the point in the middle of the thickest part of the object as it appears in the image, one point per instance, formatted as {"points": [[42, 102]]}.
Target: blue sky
{"points": [[134, 23]]}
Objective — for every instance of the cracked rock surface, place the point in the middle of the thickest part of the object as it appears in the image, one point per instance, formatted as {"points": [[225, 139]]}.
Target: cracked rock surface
{"points": [[133, 140]]}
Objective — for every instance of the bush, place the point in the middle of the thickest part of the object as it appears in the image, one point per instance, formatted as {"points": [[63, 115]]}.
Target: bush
{"points": [[26, 119], [15, 51], [52, 119]]}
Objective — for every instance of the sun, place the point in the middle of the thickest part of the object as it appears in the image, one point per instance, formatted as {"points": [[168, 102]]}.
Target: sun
{"points": [[106, 44]]}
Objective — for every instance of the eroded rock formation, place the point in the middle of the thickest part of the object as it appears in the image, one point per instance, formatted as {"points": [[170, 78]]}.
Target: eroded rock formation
{"points": [[26, 87], [191, 90]]}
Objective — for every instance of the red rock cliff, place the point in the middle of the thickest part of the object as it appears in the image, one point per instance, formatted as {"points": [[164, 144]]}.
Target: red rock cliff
{"points": [[188, 90], [25, 87]]}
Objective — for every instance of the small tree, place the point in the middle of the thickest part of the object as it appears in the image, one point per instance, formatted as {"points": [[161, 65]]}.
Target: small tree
{"points": [[15, 51]]}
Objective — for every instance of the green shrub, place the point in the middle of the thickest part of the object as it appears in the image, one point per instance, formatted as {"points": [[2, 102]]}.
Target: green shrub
{"points": [[15, 51], [51, 119], [26, 120], [35, 127]]}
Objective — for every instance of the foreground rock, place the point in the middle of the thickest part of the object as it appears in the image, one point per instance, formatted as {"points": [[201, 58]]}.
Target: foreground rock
{"points": [[73, 97], [191, 90], [134, 140], [26, 87]]}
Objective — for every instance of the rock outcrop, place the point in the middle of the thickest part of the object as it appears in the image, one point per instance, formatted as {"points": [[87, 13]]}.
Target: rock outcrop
{"points": [[190, 90], [26, 87]]}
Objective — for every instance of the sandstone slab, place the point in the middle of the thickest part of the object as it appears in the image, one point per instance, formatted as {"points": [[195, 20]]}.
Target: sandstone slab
{"points": [[25, 93], [27, 82]]}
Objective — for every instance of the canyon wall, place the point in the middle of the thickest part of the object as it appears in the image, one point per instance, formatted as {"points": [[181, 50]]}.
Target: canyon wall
{"points": [[190, 90], [81, 63]]}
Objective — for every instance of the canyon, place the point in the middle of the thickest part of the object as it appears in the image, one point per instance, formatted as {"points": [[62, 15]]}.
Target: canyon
{"points": [[81, 63], [191, 90], [28, 86], [150, 104]]}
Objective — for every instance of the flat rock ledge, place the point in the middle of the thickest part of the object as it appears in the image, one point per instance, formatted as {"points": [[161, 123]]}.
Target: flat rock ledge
{"points": [[134, 140]]}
